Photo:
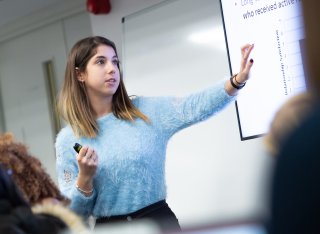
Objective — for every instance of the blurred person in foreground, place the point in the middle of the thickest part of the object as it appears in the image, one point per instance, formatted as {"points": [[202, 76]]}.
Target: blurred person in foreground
{"points": [[295, 204], [288, 118], [17, 217], [30, 202], [28, 173]]}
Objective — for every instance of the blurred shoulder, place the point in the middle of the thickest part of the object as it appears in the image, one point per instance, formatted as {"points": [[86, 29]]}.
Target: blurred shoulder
{"points": [[65, 218], [304, 140]]}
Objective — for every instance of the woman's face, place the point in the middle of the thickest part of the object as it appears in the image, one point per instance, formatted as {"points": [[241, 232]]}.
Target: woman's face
{"points": [[102, 76]]}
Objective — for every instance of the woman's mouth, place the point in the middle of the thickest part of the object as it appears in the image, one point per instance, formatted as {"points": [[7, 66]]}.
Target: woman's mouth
{"points": [[111, 81]]}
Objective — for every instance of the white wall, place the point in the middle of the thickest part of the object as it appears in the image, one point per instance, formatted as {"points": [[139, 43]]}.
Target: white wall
{"points": [[25, 98], [110, 25], [212, 176], [23, 88]]}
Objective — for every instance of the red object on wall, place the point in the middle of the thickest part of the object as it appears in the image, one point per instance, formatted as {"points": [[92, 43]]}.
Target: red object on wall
{"points": [[98, 6]]}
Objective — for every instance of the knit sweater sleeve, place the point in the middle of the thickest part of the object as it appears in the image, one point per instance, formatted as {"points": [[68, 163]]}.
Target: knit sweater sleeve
{"points": [[67, 171], [176, 113]]}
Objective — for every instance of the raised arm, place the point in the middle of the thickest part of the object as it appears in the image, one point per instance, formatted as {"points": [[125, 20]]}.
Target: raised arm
{"points": [[239, 80], [175, 113]]}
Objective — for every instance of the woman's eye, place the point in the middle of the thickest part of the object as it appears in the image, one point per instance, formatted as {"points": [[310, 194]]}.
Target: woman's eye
{"points": [[100, 61], [115, 62]]}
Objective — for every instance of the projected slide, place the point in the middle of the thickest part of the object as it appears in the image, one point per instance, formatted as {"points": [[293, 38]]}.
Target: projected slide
{"points": [[276, 29]]}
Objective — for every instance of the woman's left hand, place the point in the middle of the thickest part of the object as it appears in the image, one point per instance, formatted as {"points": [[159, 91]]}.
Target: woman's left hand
{"points": [[245, 65], [238, 81]]}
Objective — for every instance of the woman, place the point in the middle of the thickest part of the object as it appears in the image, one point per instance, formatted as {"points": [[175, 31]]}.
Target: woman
{"points": [[127, 136]]}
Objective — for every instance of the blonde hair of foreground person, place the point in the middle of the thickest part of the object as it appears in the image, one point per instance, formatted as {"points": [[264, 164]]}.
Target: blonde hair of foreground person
{"points": [[290, 115]]}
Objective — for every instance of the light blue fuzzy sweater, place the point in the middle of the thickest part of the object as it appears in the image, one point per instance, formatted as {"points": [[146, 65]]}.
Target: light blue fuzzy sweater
{"points": [[131, 170]]}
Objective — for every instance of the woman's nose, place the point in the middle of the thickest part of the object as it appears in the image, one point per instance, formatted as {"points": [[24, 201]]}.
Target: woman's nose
{"points": [[111, 68]]}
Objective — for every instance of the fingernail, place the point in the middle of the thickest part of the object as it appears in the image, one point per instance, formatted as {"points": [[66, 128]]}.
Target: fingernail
{"points": [[251, 60]]}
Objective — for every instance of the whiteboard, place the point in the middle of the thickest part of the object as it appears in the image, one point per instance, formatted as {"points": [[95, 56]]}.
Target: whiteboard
{"points": [[277, 31]]}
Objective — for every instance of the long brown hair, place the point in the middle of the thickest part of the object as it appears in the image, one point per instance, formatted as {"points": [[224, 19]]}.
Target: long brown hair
{"points": [[73, 102]]}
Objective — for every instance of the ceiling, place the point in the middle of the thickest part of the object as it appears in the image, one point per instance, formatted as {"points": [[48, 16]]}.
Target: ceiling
{"points": [[12, 10]]}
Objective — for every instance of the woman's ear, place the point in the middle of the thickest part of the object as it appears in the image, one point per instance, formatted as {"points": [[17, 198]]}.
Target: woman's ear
{"points": [[79, 75]]}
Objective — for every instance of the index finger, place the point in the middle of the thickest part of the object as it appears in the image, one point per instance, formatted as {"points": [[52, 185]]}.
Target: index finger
{"points": [[246, 50], [83, 151]]}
